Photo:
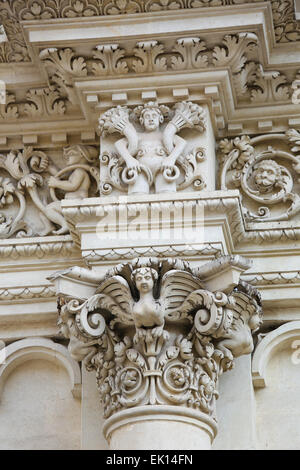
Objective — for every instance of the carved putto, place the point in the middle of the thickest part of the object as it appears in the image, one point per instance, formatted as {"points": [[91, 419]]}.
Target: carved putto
{"points": [[267, 172], [156, 335], [152, 158], [31, 181]]}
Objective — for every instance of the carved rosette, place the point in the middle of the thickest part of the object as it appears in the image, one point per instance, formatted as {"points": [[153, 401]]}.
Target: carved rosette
{"points": [[156, 336]]}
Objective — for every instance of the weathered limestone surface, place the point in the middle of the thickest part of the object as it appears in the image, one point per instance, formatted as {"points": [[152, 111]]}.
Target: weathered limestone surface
{"points": [[149, 187]]}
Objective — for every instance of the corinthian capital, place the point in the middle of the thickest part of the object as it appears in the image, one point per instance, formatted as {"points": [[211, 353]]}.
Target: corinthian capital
{"points": [[156, 335]]}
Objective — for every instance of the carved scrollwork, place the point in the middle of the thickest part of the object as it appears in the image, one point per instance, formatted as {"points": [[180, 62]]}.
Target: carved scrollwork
{"points": [[267, 176], [33, 180], [154, 159], [155, 335]]}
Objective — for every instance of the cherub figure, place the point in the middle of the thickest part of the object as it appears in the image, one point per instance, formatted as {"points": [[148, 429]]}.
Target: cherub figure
{"points": [[78, 183], [150, 156], [267, 174]]}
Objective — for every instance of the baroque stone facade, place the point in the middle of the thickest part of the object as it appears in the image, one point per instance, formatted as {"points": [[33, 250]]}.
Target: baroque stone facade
{"points": [[149, 223]]}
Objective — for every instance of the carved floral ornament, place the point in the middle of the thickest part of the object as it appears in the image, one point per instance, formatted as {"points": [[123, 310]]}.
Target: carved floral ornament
{"points": [[239, 52], [151, 157], [266, 169], [155, 335], [38, 103], [286, 27]]}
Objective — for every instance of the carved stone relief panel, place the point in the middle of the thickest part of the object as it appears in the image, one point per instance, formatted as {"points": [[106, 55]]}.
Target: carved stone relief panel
{"points": [[266, 170], [32, 183], [141, 151]]}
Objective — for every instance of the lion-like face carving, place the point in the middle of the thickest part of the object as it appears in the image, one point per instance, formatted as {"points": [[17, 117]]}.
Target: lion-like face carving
{"points": [[266, 174]]}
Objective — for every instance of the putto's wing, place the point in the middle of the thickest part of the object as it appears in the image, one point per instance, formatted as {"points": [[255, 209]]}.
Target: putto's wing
{"points": [[114, 296], [175, 288]]}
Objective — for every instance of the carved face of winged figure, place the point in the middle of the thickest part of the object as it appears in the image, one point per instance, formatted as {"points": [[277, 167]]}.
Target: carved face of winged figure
{"points": [[142, 309], [132, 300]]}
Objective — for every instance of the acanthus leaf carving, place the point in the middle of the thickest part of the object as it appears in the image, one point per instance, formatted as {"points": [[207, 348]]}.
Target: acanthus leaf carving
{"points": [[109, 60], [149, 57], [190, 54], [146, 365], [269, 86], [9, 109], [234, 50], [66, 65], [43, 102]]}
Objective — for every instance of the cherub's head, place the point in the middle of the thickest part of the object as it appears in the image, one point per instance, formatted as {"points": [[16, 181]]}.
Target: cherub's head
{"points": [[76, 154], [151, 115], [144, 279], [266, 174]]}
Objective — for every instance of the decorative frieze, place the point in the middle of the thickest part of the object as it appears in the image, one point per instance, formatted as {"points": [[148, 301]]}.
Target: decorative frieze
{"points": [[285, 26], [58, 246], [24, 293], [156, 335], [239, 52]]}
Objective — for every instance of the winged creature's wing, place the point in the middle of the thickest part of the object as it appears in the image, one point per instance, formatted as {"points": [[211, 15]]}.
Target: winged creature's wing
{"points": [[114, 296], [243, 308], [176, 286]]}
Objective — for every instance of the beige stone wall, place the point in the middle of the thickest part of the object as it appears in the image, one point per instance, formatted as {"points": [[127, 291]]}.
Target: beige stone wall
{"points": [[239, 64], [38, 410], [278, 413]]}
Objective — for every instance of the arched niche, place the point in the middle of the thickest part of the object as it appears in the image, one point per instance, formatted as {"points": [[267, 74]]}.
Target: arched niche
{"points": [[275, 371], [39, 348], [284, 335]]}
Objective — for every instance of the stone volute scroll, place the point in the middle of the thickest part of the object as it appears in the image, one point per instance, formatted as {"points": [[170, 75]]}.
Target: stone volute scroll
{"points": [[266, 169], [141, 151], [158, 339]]}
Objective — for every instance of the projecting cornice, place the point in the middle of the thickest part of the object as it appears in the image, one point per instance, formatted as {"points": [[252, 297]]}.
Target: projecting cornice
{"points": [[286, 27], [84, 65]]}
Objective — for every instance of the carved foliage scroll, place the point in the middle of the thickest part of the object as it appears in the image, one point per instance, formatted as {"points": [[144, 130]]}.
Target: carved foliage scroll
{"points": [[266, 169], [31, 186]]}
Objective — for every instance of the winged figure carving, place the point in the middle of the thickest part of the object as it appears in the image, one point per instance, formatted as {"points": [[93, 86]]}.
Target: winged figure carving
{"points": [[147, 300]]}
